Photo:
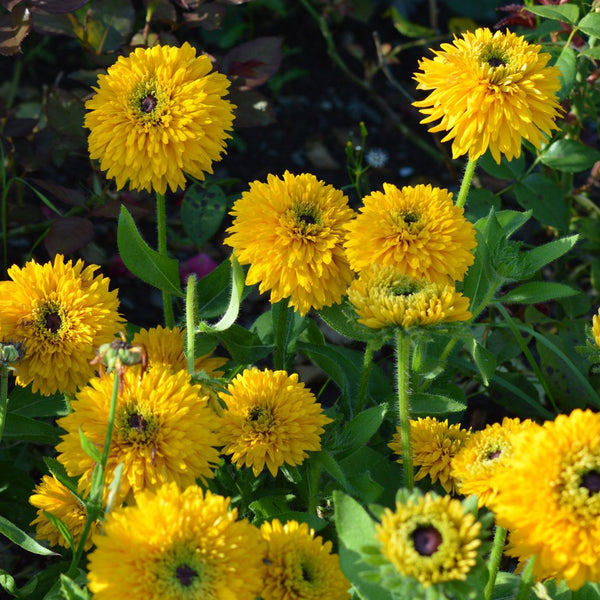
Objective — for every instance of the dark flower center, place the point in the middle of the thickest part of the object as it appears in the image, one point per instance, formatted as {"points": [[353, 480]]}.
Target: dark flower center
{"points": [[255, 413], [496, 61], [494, 455], [148, 103], [410, 217], [307, 219], [405, 289], [186, 575], [306, 573], [426, 540], [53, 322], [591, 482], [138, 422]]}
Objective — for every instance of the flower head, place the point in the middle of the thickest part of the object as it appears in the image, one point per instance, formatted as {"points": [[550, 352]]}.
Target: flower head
{"points": [[434, 444], [431, 539], [51, 496], [596, 328], [418, 230], [549, 498], [271, 419], [383, 297], [175, 545], [164, 431], [300, 566], [483, 453], [62, 312], [291, 233], [490, 91], [157, 114]]}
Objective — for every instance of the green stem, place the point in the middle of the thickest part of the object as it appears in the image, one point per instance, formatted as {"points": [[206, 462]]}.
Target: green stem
{"points": [[494, 562], [364, 376], [161, 223], [314, 475], [111, 420], [466, 183], [190, 323], [527, 580], [403, 376], [3, 397], [281, 313]]}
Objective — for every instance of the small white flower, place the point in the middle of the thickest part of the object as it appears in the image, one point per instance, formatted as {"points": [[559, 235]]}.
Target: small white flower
{"points": [[377, 158]]}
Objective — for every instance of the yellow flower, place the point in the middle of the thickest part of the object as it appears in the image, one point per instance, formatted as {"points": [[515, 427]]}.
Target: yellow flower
{"points": [[484, 452], [418, 230], [291, 233], [430, 538], [489, 91], [176, 545], [157, 114], [62, 312], [164, 431], [271, 419], [164, 347], [549, 500], [300, 566], [51, 496], [434, 444], [384, 297]]}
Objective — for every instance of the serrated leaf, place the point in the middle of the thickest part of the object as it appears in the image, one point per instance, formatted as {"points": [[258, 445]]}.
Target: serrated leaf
{"points": [[567, 63], [342, 318], [24, 429], [569, 155], [364, 426], [89, 447], [354, 526], [546, 200], [535, 292], [543, 255], [507, 169], [155, 269], [569, 13], [20, 538], [429, 405]]}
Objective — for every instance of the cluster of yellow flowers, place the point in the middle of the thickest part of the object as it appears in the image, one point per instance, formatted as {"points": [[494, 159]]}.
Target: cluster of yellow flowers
{"points": [[159, 114]]}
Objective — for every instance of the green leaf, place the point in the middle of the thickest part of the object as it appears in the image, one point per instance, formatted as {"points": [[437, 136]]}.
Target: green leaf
{"points": [[62, 529], [24, 429], [363, 427], [244, 347], [22, 401], [155, 269], [8, 583], [590, 24], [329, 464], [354, 526], [569, 13], [202, 211], [342, 318], [593, 53], [540, 256], [405, 27], [567, 63], [58, 470], [233, 310], [428, 405], [89, 447], [546, 200], [535, 292], [71, 590], [484, 359], [507, 169], [20, 538], [569, 155]]}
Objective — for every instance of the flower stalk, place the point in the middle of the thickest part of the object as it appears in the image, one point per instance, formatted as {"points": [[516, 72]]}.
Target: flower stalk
{"points": [[364, 376], [403, 376], [494, 561], [190, 323], [466, 183]]}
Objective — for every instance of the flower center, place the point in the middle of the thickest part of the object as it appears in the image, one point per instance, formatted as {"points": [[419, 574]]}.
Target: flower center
{"points": [[494, 454], [410, 217], [306, 219], [591, 482], [136, 426], [260, 418], [50, 321], [148, 103], [53, 322], [495, 61], [403, 289], [306, 573], [186, 575], [426, 540]]}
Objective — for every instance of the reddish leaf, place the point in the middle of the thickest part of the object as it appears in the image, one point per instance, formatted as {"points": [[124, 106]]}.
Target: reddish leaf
{"points": [[68, 234], [66, 195], [253, 109], [14, 28], [260, 57], [58, 6]]}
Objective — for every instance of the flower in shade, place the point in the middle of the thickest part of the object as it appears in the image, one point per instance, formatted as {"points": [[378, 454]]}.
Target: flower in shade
{"points": [[484, 452], [165, 347], [271, 419], [490, 91], [549, 498], [291, 233], [164, 431], [62, 311], [175, 545], [432, 539], [51, 496], [434, 444], [596, 328], [300, 566], [384, 297], [157, 114], [418, 230]]}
